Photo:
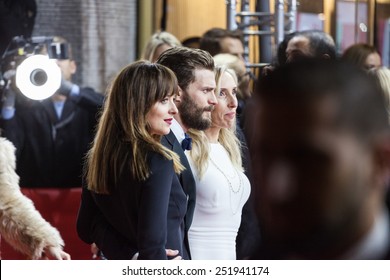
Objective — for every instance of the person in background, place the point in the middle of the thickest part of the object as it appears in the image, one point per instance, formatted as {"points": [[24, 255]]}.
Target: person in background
{"points": [[382, 78], [52, 136], [219, 40], [321, 155], [310, 43], [21, 225], [299, 45], [281, 57], [362, 55], [129, 173], [191, 42], [157, 44], [221, 186]]}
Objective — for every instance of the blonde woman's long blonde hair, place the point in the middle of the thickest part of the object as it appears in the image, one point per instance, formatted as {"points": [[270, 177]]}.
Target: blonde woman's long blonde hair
{"points": [[227, 137], [123, 140], [382, 78]]}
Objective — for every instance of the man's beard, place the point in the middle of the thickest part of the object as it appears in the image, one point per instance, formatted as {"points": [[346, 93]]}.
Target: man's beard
{"points": [[192, 115]]}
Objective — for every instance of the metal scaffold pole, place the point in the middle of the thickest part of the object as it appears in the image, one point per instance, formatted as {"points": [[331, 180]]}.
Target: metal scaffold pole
{"points": [[263, 24], [231, 14]]}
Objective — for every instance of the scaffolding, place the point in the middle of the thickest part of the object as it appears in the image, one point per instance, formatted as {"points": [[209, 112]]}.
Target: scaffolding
{"points": [[267, 25]]}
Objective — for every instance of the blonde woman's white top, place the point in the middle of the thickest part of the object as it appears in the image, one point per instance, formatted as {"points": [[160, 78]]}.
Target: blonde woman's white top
{"points": [[220, 197]]}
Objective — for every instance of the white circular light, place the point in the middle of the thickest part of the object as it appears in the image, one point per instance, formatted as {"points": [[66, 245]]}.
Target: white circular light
{"points": [[42, 67]]}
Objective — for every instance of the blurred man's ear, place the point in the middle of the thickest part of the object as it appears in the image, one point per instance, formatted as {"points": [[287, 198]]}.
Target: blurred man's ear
{"points": [[179, 95], [73, 67]]}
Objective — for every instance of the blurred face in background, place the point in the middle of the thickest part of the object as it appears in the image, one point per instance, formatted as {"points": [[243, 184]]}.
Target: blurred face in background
{"points": [[233, 46], [373, 60], [297, 48]]}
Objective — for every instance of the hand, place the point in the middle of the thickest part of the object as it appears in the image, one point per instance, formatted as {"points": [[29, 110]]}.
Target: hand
{"points": [[95, 251], [173, 253], [9, 74], [170, 253], [54, 253], [267, 70], [65, 87], [9, 96]]}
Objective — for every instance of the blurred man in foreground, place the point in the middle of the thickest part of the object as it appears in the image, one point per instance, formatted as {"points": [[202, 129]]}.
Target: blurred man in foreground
{"points": [[321, 162]]}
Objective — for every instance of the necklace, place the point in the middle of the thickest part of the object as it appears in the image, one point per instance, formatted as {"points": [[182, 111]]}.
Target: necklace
{"points": [[227, 178], [231, 188]]}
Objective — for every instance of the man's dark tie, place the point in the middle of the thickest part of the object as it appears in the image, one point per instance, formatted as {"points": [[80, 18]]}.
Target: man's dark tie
{"points": [[187, 142]]}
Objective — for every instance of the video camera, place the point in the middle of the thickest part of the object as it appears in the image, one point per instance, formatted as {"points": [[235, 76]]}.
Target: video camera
{"points": [[30, 64]]}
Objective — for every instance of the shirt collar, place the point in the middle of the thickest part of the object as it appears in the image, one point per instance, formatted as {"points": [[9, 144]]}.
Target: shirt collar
{"points": [[177, 130], [376, 243]]}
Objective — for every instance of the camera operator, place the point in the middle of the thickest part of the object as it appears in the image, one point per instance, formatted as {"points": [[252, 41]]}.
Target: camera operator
{"points": [[53, 135]]}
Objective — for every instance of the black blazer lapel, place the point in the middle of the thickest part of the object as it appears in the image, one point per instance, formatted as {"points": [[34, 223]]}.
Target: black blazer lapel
{"points": [[48, 106], [186, 178]]}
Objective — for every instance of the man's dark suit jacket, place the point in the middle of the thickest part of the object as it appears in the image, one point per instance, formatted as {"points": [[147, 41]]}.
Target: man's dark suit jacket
{"points": [[96, 227], [186, 179]]}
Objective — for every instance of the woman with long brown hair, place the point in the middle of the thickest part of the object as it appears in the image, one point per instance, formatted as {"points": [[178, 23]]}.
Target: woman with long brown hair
{"points": [[129, 174]]}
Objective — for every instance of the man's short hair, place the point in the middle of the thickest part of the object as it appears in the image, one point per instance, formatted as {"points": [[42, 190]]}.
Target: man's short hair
{"points": [[210, 40], [184, 61], [321, 43]]}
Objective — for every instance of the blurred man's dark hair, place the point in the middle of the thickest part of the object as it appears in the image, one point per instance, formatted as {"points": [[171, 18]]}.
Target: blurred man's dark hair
{"points": [[211, 39], [320, 45]]}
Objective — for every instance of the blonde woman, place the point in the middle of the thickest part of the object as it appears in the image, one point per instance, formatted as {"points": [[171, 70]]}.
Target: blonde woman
{"points": [[222, 187], [21, 225], [382, 77]]}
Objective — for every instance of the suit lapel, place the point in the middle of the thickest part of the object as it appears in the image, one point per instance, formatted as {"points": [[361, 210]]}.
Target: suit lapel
{"points": [[49, 108], [186, 178]]}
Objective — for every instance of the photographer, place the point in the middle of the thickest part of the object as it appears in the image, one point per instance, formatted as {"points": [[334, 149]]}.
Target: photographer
{"points": [[51, 136]]}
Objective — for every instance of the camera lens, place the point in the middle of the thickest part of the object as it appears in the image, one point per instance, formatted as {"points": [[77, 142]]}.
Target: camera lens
{"points": [[38, 77]]}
